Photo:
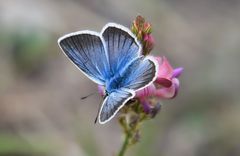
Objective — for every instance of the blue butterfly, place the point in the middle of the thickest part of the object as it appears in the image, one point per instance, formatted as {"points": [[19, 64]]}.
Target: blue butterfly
{"points": [[113, 59]]}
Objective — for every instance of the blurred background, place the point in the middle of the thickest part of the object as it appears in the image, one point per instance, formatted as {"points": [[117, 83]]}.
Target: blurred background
{"points": [[41, 111]]}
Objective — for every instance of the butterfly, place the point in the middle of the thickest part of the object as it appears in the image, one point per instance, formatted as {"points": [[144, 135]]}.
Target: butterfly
{"points": [[111, 58]]}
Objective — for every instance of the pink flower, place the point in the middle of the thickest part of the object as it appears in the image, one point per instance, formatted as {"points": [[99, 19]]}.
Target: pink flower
{"points": [[164, 87]]}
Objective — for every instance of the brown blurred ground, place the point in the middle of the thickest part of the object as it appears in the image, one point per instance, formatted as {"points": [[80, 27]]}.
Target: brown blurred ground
{"points": [[40, 108]]}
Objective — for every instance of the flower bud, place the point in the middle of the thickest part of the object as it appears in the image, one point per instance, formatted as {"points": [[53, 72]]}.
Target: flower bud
{"points": [[148, 44], [136, 137], [155, 110], [147, 28], [143, 30], [139, 22]]}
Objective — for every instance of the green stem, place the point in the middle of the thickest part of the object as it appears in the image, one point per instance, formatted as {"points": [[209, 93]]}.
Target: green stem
{"points": [[124, 145]]}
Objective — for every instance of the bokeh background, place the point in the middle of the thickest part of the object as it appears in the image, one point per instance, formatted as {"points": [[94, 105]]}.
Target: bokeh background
{"points": [[41, 113]]}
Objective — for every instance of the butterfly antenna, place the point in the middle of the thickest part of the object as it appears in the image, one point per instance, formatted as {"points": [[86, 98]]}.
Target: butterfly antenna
{"points": [[84, 97], [99, 107]]}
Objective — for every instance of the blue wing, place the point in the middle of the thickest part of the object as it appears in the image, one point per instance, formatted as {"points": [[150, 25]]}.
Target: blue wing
{"points": [[87, 51], [122, 46], [141, 72], [113, 102]]}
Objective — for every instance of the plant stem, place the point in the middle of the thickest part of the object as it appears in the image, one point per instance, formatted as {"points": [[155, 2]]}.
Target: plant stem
{"points": [[124, 145]]}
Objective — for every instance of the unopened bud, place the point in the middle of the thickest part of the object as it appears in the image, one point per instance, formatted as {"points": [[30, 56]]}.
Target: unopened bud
{"points": [[154, 111], [147, 28], [148, 44]]}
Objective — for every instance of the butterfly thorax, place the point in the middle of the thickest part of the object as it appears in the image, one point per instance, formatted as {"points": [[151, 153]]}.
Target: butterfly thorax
{"points": [[114, 83]]}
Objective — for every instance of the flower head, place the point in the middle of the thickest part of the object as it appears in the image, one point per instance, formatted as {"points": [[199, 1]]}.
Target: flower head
{"points": [[164, 87], [143, 30]]}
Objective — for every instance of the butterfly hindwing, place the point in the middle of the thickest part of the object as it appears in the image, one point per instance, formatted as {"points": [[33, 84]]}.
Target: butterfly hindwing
{"points": [[113, 102], [141, 72], [87, 51]]}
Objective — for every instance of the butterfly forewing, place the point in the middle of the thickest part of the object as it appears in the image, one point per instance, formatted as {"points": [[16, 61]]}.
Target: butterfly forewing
{"points": [[121, 45], [86, 50]]}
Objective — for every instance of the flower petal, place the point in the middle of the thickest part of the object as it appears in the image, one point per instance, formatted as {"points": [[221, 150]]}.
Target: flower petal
{"points": [[176, 83], [164, 82], [167, 93], [146, 105], [165, 69], [145, 92], [177, 72], [101, 90]]}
